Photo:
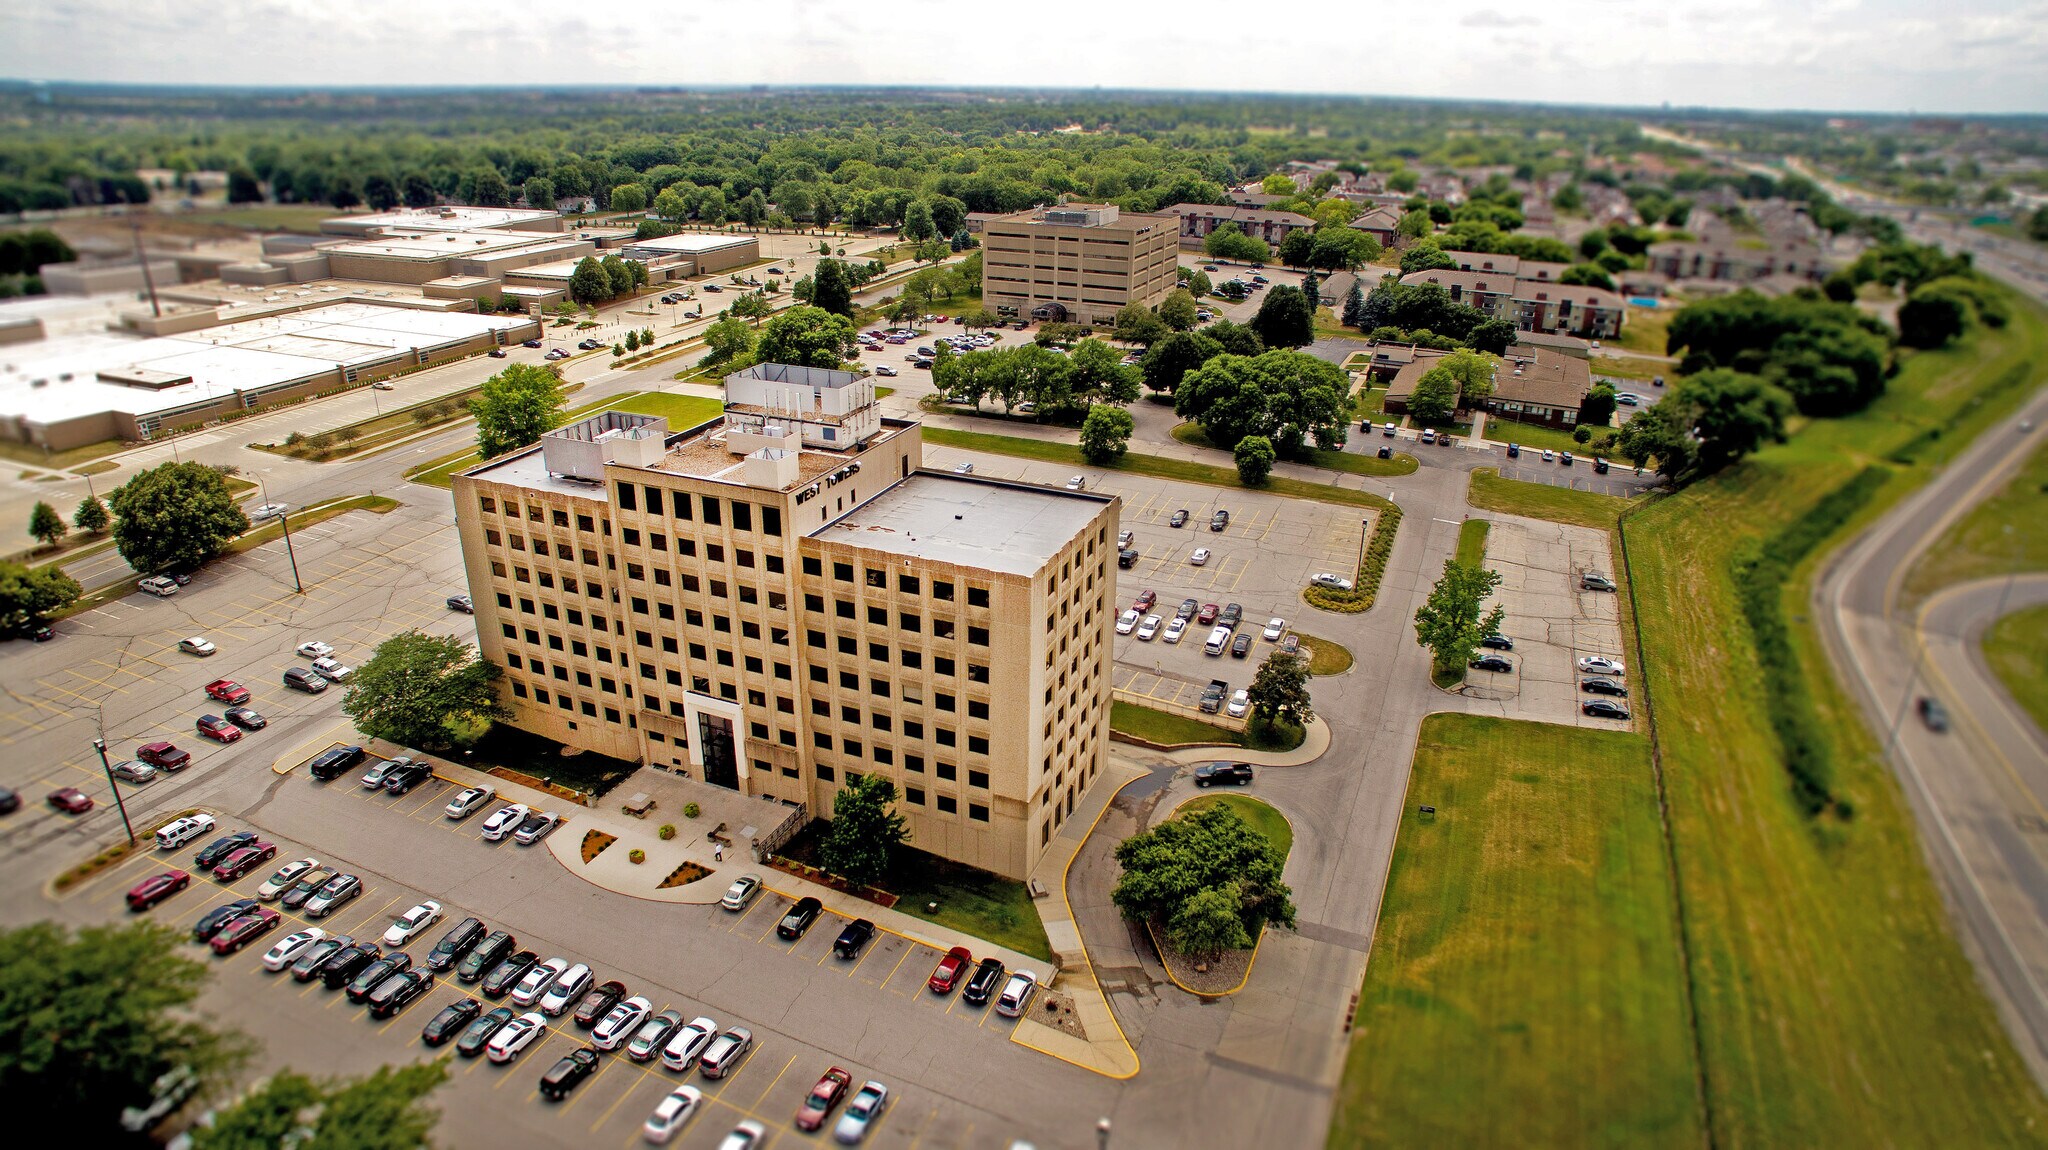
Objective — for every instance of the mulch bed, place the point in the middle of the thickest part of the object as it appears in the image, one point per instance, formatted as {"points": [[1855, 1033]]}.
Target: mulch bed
{"points": [[594, 843], [683, 875], [526, 780], [1057, 1010], [880, 898], [1223, 974]]}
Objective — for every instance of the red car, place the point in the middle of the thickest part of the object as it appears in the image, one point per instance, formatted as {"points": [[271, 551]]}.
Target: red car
{"points": [[165, 755], [218, 729], [70, 800], [242, 860], [244, 930], [1144, 601], [946, 975], [156, 888], [1207, 614], [228, 691], [827, 1094]]}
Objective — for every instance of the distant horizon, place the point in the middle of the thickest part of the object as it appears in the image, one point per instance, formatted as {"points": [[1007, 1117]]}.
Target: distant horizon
{"points": [[1854, 57], [1103, 91]]}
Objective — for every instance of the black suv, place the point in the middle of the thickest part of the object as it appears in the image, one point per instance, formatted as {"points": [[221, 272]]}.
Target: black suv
{"points": [[1219, 521], [1233, 774], [456, 944], [506, 975], [394, 994], [333, 763], [853, 938], [221, 848], [348, 962], [563, 1076], [488, 954], [799, 918], [1127, 558], [451, 1022], [987, 977], [405, 776], [1491, 663]]}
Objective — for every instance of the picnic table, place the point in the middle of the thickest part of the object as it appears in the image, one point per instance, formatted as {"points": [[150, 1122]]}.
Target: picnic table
{"points": [[639, 805]]}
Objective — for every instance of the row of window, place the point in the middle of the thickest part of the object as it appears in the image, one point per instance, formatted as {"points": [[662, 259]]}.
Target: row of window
{"points": [[909, 621], [914, 796], [709, 510], [942, 589], [535, 513]]}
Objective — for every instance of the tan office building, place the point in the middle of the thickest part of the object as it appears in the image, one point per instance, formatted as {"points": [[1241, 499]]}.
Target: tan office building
{"points": [[1077, 262], [778, 613]]}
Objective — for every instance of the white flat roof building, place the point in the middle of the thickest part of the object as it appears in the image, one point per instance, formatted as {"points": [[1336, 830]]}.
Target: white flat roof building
{"points": [[446, 218]]}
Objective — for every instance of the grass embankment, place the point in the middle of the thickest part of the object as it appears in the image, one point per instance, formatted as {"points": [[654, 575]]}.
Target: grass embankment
{"points": [[2016, 647], [26, 453], [1324, 656], [1262, 816], [1524, 986], [1629, 367], [1401, 464], [974, 901], [1158, 467], [1165, 728], [377, 431], [272, 531], [1472, 541], [682, 411], [1643, 330], [1534, 436], [1542, 501], [2007, 532], [1835, 1006]]}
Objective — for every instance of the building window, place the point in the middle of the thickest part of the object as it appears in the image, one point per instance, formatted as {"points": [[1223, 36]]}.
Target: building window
{"points": [[907, 584], [815, 638], [487, 503], [812, 566], [914, 796], [947, 771], [978, 779], [977, 596], [877, 578], [825, 773], [977, 812], [914, 763], [942, 590], [681, 502], [977, 636], [742, 516], [948, 805], [711, 516], [629, 537], [976, 745], [843, 572], [879, 616], [946, 735], [976, 709], [771, 521]]}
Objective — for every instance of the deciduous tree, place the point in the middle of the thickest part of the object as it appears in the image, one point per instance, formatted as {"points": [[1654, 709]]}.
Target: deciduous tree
{"points": [[45, 525], [174, 516], [1228, 242], [1105, 434], [91, 516], [730, 340], [1254, 457], [421, 690], [1285, 318], [29, 595], [1136, 323], [516, 407], [1178, 310], [807, 337], [1280, 690], [1167, 868], [864, 832], [1449, 622], [831, 289]]}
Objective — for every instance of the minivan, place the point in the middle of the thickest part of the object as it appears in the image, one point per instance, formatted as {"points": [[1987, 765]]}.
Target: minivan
{"points": [[1219, 641], [300, 679]]}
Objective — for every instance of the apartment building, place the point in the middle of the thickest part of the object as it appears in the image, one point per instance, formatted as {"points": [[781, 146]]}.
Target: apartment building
{"points": [[1077, 263], [1532, 300], [780, 613], [1198, 220]]}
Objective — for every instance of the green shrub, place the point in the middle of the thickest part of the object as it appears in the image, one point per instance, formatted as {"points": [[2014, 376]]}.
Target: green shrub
{"points": [[690, 810], [636, 856], [667, 831]]}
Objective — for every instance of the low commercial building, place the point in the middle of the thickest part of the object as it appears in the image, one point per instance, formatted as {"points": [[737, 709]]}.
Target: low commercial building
{"points": [[1531, 384], [444, 218], [1078, 263], [695, 253], [415, 257], [63, 394], [780, 613], [1198, 220]]}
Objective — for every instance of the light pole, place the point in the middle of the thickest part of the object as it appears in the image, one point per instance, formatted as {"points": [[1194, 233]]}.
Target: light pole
{"points": [[1102, 1134], [284, 520], [1364, 531], [100, 745]]}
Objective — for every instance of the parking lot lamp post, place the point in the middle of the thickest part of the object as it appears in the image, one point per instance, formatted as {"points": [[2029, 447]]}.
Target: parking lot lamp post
{"points": [[284, 519], [100, 745], [1102, 1134], [1364, 532]]}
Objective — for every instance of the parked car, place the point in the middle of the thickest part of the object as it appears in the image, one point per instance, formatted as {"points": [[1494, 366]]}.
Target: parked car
{"points": [[671, 1114], [861, 1113], [373, 779], [216, 728], [334, 762], [344, 964], [536, 827], [856, 935], [1599, 685], [163, 755], [597, 1002], [158, 585], [469, 801], [1145, 600], [462, 603], [268, 511], [456, 944], [1603, 709], [227, 691], [1219, 521], [1242, 645], [653, 1034], [508, 973], [1148, 628], [1275, 628], [619, 1023], [1175, 628], [156, 888], [1223, 774], [245, 718], [1329, 581], [741, 892], [336, 891], [1127, 622], [514, 1037], [1497, 643], [315, 649], [178, 832], [301, 679], [725, 1052], [567, 1071], [1491, 663], [687, 1043], [1239, 705], [409, 925], [478, 1034], [982, 984], [308, 884], [538, 980], [379, 969], [504, 820], [401, 990], [1594, 581], [1178, 519], [1601, 665], [946, 975], [307, 968], [131, 771], [1127, 558], [452, 1020], [485, 955], [212, 854], [240, 932], [799, 919], [1200, 557], [1016, 994], [401, 779], [332, 669], [244, 860], [196, 645]]}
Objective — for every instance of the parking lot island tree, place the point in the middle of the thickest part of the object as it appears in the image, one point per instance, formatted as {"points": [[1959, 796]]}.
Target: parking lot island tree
{"points": [[90, 1020], [421, 690], [1286, 318], [1254, 455], [1449, 622], [174, 516], [1279, 692], [865, 831], [1173, 874], [517, 406]]}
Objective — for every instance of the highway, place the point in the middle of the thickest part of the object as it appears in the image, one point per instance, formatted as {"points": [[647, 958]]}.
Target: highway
{"points": [[1980, 790]]}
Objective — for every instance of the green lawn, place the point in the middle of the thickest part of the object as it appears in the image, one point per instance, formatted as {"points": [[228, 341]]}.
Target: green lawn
{"points": [[1472, 541], [682, 411], [1836, 1007], [13, 452], [1533, 435], [2016, 647], [1542, 501], [1642, 330], [969, 900], [1262, 817], [1326, 656], [2007, 532], [1629, 367], [1524, 987], [1165, 728], [1158, 467]]}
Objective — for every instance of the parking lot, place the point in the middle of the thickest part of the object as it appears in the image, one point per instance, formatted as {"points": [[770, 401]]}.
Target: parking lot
{"points": [[954, 1076], [1552, 621]]}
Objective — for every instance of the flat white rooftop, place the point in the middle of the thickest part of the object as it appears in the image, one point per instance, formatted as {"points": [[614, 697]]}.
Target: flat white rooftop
{"points": [[448, 218], [690, 243], [995, 525], [57, 379], [440, 245]]}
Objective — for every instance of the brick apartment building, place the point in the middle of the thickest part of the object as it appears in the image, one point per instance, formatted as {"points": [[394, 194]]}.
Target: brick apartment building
{"points": [[782, 600]]}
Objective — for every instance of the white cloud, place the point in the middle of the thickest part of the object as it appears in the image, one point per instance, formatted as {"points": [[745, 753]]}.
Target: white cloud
{"points": [[1966, 55]]}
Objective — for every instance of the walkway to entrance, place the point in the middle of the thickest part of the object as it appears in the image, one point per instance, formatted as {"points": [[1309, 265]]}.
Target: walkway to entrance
{"points": [[747, 820]]}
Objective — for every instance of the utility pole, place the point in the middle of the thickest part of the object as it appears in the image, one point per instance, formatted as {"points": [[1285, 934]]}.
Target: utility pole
{"points": [[100, 745]]}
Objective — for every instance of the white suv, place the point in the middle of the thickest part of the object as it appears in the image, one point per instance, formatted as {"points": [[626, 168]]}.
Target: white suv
{"points": [[183, 831]]}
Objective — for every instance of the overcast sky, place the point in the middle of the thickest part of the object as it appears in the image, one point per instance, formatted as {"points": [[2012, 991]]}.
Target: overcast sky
{"points": [[1861, 55]]}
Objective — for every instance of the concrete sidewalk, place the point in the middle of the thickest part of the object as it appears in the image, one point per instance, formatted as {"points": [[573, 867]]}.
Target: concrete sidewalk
{"points": [[1315, 741]]}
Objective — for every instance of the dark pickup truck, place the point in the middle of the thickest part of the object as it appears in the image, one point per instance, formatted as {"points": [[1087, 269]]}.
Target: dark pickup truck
{"points": [[1212, 696]]}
